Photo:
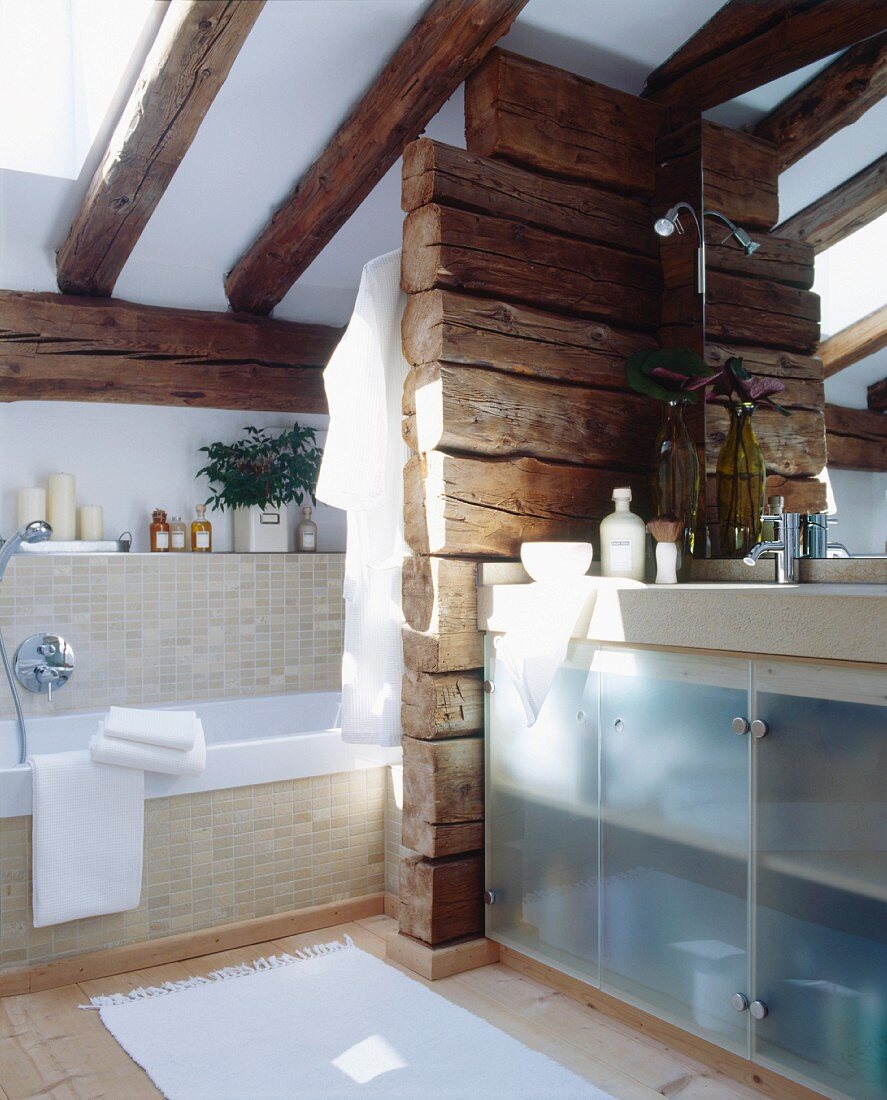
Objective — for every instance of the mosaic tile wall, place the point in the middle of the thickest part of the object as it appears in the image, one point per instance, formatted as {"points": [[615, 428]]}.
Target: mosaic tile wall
{"points": [[167, 628], [394, 850], [214, 858]]}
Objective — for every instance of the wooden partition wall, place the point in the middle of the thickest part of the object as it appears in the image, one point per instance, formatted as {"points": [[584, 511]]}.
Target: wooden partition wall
{"points": [[533, 272]]}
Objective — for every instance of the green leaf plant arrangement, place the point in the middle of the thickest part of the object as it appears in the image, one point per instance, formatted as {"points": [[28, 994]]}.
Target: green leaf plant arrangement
{"points": [[262, 470], [675, 377]]}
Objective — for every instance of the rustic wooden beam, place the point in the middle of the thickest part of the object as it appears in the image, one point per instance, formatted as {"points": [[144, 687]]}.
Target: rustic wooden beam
{"points": [[833, 99], [437, 173], [440, 609], [188, 63], [483, 412], [804, 495], [856, 439], [73, 348], [747, 44], [759, 311], [877, 396], [564, 125], [462, 506], [461, 328], [443, 796], [436, 706], [857, 341], [449, 40], [841, 211], [441, 899], [461, 250]]}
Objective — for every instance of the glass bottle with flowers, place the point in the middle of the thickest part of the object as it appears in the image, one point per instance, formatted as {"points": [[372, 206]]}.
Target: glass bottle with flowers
{"points": [[676, 377], [741, 474]]}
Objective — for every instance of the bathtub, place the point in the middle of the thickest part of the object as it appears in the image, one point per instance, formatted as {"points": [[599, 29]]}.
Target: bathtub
{"points": [[262, 739]]}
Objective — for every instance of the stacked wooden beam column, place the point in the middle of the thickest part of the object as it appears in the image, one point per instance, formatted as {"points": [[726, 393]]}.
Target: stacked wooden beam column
{"points": [[533, 273]]}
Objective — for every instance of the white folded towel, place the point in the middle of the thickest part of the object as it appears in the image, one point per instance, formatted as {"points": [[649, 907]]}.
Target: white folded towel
{"points": [[533, 649], [106, 749], [168, 729], [87, 835]]}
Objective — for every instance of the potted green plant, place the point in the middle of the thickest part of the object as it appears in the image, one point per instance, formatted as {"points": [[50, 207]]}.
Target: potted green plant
{"points": [[675, 377], [258, 478]]}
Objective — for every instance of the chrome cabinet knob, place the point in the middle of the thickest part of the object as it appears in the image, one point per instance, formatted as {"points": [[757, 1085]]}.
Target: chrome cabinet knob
{"points": [[739, 1001], [758, 1009], [740, 726], [759, 729], [489, 897], [489, 687]]}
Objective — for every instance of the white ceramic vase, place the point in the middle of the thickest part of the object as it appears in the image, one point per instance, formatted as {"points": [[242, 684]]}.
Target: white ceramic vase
{"points": [[261, 530]]}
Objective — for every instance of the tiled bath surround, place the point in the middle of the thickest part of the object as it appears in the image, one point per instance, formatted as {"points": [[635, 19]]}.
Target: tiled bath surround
{"points": [[165, 628], [216, 858]]}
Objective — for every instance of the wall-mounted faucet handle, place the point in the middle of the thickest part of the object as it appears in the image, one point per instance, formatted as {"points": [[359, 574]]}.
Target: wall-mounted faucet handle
{"points": [[44, 662]]}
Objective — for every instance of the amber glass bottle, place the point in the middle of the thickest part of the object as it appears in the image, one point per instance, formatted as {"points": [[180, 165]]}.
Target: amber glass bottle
{"points": [[201, 532], [159, 532]]}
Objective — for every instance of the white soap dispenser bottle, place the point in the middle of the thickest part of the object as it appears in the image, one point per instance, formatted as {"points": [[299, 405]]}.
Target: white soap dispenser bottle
{"points": [[623, 540]]}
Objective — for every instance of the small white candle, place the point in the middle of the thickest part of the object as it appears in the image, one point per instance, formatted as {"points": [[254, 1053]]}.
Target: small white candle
{"points": [[31, 505], [61, 510], [92, 523]]}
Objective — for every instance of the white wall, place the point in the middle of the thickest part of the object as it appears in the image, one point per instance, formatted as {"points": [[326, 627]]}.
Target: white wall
{"points": [[132, 459], [861, 520]]}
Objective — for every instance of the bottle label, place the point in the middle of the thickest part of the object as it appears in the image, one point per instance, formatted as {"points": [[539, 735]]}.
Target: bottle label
{"points": [[202, 541], [309, 540], [161, 540], [178, 540], [620, 555]]}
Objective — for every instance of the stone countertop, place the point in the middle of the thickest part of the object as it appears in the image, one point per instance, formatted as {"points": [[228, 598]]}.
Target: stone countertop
{"points": [[845, 622]]}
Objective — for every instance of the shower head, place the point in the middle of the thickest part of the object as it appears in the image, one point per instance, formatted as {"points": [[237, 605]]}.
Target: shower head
{"points": [[36, 531], [736, 232]]}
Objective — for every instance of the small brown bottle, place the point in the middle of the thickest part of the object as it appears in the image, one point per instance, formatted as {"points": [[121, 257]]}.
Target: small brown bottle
{"points": [[201, 532], [159, 532]]}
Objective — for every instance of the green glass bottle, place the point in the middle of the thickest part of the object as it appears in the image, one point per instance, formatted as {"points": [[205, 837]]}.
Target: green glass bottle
{"points": [[741, 485]]}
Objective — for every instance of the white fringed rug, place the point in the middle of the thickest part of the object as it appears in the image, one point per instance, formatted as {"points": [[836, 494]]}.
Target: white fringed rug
{"points": [[332, 1022]]}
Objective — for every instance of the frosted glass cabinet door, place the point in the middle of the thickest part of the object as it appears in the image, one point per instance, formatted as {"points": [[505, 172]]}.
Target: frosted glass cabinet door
{"points": [[821, 876], [675, 837], [541, 813]]}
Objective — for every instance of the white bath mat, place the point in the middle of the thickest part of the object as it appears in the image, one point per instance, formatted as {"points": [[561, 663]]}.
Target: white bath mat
{"points": [[332, 1024]]}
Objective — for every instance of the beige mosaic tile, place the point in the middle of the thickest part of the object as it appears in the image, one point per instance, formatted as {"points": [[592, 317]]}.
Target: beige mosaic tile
{"points": [[170, 628], [217, 857], [394, 849]]}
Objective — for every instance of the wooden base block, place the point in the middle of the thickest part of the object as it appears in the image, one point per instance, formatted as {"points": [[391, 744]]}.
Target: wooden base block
{"points": [[440, 962]]}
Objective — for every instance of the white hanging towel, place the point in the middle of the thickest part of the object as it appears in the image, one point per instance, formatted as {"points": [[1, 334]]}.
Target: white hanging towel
{"points": [[168, 729], [533, 649], [87, 834], [362, 472], [105, 749]]}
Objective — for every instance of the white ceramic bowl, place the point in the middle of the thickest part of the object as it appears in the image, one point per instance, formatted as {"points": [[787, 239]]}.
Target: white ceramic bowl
{"points": [[554, 561]]}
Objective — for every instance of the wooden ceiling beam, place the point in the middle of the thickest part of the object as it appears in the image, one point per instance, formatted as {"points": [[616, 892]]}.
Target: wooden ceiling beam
{"points": [[833, 99], [748, 43], [449, 40], [76, 348], [858, 341], [841, 211], [877, 396], [188, 63], [856, 439]]}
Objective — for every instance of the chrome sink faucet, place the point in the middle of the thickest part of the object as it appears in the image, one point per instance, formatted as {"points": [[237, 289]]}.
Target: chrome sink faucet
{"points": [[785, 544]]}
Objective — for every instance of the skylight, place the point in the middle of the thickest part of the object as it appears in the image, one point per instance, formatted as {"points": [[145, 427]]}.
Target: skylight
{"points": [[851, 277], [61, 63]]}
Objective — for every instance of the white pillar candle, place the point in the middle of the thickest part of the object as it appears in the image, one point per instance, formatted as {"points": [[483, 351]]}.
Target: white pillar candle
{"points": [[92, 523], [61, 510], [31, 505]]}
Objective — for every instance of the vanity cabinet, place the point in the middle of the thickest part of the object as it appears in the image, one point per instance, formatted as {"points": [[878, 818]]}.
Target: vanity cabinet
{"points": [[641, 837]]}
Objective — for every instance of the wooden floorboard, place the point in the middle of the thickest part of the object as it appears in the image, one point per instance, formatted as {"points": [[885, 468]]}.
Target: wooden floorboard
{"points": [[50, 1048]]}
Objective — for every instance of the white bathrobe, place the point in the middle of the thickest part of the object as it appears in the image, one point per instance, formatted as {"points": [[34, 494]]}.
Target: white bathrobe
{"points": [[362, 472]]}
